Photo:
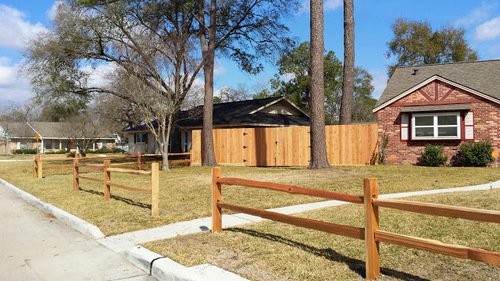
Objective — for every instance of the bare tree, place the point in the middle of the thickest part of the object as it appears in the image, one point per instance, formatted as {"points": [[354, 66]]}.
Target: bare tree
{"points": [[150, 43], [319, 154], [82, 131], [348, 78]]}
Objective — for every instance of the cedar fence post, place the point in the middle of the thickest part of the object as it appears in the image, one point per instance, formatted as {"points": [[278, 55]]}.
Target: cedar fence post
{"points": [[107, 179], [76, 181], [371, 225], [138, 160], [216, 198], [35, 167], [155, 189], [40, 167]]}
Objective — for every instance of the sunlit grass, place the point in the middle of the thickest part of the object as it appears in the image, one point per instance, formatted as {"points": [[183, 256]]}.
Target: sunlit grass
{"points": [[185, 193], [274, 251]]}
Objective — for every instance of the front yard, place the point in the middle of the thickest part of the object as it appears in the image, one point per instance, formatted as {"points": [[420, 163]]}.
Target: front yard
{"points": [[185, 193]]}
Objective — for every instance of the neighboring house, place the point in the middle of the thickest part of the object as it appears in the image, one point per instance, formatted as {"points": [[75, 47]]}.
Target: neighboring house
{"points": [[52, 136], [268, 112], [439, 104]]}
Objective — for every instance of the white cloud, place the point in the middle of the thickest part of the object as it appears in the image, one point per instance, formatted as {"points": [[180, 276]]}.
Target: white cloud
{"points": [[379, 82], [328, 5], [488, 30], [219, 68], [52, 12], [287, 77], [15, 29], [477, 15], [101, 75], [12, 87]]}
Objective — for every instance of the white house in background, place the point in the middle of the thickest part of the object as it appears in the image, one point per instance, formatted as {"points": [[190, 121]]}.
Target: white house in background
{"points": [[22, 135]]}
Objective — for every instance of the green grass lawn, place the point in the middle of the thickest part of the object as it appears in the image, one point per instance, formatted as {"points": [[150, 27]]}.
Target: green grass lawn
{"points": [[185, 193], [274, 251]]}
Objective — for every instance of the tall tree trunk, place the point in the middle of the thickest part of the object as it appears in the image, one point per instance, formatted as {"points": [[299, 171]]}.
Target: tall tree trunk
{"points": [[348, 78], [208, 50], [319, 158]]}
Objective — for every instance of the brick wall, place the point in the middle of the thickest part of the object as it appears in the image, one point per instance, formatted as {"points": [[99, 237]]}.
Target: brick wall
{"points": [[486, 122]]}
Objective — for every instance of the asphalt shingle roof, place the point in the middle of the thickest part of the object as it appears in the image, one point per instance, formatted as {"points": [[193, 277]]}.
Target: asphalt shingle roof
{"points": [[482, 76]]}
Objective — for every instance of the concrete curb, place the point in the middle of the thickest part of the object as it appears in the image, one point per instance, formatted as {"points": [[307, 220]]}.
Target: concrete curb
{"points": [[77, 223], [166, 269]]}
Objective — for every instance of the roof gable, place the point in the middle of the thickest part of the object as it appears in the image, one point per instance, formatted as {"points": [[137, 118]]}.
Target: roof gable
{"points": [[481, 78]]}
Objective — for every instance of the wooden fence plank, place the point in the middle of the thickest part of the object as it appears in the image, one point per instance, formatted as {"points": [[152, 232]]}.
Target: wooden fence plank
{"points": [[344, 230], [126, 187], [90, 179], [439, 247], [129, 171], [291, 189], [440, 210]]}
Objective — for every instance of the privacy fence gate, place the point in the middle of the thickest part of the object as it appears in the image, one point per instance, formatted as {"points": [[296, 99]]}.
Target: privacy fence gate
{"points": [[371, 232]]}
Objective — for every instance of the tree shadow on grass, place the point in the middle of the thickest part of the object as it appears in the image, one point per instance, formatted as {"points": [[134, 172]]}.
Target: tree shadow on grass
{"points": [[356, 265], [119, 198]]}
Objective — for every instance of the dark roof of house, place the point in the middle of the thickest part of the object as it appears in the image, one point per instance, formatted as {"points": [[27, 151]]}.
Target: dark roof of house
{"points": [[481, 76], [241, 114], [47, 130]]}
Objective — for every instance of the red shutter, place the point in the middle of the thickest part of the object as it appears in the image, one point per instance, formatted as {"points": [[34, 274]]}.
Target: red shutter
{"points": [[469, 125], [404, 128]]}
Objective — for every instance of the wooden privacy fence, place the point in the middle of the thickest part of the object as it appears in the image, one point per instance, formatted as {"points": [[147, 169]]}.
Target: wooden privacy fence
{"points": [[289, 146], [154, 173], [371, 232], [39, 165]]}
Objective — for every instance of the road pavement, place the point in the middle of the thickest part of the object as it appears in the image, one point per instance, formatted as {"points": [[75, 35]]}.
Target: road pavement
{"points": [[36, 246]]}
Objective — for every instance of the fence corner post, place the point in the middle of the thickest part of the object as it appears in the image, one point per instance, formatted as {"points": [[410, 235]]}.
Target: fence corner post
{"points": [[155, 189], [76, 181], [216, 198], [371, 225], [35, 167], [138, 160], [107, 179], [40, 167]]}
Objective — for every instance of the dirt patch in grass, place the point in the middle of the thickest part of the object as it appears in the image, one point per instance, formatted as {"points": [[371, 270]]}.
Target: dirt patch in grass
{"points": [[185, 193], [273, 251]]}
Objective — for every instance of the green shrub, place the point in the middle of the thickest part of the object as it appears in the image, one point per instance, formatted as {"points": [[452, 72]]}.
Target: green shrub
{"points": [[433, 155], [25, 151], [477, 154]]}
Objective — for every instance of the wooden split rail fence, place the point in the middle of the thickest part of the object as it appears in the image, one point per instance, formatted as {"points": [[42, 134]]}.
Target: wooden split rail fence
{"points": [[39, 165], [154, 173], [371, 232]]}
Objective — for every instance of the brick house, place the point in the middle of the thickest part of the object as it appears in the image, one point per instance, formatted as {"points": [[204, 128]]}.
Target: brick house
{"points": [[440, 104]]}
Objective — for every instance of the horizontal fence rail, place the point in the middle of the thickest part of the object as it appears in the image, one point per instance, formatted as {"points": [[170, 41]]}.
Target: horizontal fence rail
{"points": [[39, 166], [106, 167], [291, 189], [371, 232]]}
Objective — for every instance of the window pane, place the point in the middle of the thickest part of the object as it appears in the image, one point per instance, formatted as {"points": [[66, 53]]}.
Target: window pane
{"points": [[447, 131], [447, 120], [424, 132], [424, 120]]}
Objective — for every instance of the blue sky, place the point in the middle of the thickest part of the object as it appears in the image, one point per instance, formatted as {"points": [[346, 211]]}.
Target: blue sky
{"points": [[20, 19]]}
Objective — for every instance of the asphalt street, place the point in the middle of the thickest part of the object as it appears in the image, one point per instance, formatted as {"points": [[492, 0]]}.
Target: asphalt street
{"points": [[36, 246]]}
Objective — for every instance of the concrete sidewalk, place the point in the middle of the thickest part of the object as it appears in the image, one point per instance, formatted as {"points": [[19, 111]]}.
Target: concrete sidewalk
{"points": [[36, 246]]}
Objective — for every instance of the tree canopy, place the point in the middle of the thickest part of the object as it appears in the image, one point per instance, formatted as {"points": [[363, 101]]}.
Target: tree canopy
{"points": [[293, 82], [415, 43]]}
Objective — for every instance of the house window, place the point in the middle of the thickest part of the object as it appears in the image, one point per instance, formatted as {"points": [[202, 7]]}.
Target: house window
{"points": [[428, 126], [140, 138]]}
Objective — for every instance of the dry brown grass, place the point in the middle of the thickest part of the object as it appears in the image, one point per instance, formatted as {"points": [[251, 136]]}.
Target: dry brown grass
{"points": [[185, 192], [273, 251]]}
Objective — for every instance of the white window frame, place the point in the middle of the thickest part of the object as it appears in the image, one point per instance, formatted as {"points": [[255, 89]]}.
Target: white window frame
{"points": [[435, 126]]}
